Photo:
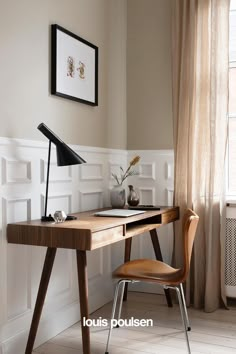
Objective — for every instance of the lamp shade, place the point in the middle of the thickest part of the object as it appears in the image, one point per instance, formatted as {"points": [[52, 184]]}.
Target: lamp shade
{"points": [[65, 155]]}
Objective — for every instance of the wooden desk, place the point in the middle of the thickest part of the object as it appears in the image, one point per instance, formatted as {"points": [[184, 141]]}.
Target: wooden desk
{"points": [[87, 233]]}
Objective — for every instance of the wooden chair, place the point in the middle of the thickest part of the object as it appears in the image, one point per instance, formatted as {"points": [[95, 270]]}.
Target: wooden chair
{"points": [[153, 271]]}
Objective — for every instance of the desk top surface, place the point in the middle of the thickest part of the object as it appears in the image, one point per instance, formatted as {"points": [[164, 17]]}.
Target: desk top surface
{"points": [[88, 232]]}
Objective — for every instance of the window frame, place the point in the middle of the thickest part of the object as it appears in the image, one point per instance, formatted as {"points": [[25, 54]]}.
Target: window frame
{"points": [[230, 193]]}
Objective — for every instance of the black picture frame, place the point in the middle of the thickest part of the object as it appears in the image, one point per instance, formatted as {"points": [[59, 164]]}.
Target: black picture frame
{"points": [[74, 67]]}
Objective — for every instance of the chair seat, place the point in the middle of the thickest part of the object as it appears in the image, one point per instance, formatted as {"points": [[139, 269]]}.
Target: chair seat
{"points": [[149, 270]]}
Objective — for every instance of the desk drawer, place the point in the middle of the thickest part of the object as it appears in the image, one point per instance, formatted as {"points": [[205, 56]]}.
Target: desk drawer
{"points": [[108, 236]]}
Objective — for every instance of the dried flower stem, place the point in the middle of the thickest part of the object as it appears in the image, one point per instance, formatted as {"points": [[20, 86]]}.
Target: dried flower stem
{"points": [[128, 172]]}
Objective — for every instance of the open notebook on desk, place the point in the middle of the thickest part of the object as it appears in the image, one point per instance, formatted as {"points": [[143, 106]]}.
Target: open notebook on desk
{"points": [[120, 213]]}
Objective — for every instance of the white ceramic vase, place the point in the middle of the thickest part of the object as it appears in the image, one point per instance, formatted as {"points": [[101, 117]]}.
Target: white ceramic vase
{"points": [[118, 196]]}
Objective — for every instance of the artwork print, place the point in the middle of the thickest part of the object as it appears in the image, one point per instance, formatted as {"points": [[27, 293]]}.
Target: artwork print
{"points": [[74, 67]]}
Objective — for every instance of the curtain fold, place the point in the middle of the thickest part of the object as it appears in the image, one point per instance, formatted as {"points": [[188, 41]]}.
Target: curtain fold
{"points": [[200, 105]]}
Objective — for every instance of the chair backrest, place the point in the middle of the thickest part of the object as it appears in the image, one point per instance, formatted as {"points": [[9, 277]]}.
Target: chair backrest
{"points": [[190, 222]]}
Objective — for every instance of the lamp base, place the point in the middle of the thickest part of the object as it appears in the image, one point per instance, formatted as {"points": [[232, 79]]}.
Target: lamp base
{"points": [[50, 218], [47, 218]]}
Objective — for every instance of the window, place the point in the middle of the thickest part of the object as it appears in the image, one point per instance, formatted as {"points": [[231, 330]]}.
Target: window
{"points": [[231, 180]]}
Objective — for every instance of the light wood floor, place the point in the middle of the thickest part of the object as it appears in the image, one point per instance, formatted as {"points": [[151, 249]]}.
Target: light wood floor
{"points": [[212, 333]]}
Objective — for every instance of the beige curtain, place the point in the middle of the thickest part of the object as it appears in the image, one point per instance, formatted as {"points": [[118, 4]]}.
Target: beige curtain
{"points": [[200, 103]]}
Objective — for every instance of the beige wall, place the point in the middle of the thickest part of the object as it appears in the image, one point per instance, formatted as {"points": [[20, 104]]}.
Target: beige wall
{"points": [[149, 97], [117, 118], [25, 98], [134, 110]]}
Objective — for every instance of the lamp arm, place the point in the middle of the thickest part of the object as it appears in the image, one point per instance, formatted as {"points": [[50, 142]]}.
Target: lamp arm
{"points": [[49, 134], [47, 180]]}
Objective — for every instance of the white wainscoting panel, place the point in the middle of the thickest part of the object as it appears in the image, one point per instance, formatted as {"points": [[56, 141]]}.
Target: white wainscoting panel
{"points": [[57, 173], [14, 171], [91, 199], [23, 168]]}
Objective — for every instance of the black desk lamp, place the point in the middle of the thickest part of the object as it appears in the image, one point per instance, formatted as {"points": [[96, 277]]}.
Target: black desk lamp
{"points": [[65, 157]]}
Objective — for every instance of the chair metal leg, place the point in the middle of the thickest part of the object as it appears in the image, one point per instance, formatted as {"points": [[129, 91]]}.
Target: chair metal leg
{"points": [[185, 308], [121, 301], [114, 308], [183, 317]]}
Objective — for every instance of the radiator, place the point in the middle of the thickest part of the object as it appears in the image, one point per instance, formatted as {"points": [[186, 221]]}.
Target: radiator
{"points": [[230, 250]]}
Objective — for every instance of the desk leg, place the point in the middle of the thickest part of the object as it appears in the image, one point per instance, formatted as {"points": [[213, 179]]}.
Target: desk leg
{"points": [[83, 295], [128, 243], [46, 273], [157, 250]]}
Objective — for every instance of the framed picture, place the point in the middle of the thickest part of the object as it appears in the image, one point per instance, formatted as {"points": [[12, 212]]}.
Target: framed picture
{"points": [[74, 67]]}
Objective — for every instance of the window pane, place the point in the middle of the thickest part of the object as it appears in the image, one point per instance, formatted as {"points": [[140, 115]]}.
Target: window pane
{"points": [[232, 91], [232, 102], [233, 5], [232, 36], [232, 155]]}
